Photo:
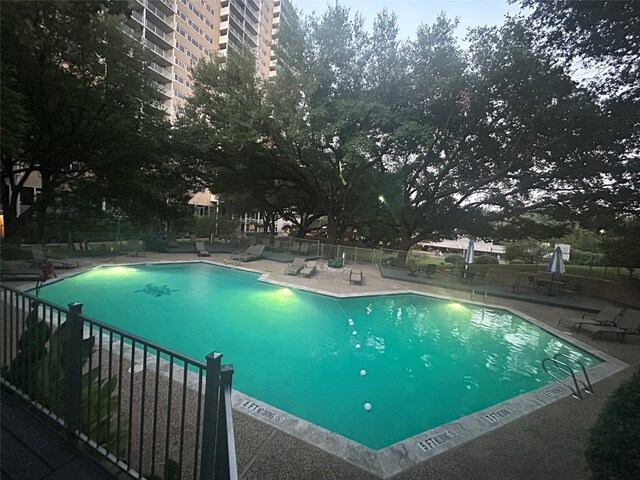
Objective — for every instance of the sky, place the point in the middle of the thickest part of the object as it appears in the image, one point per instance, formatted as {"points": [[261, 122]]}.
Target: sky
{"points": [[412, 13]]}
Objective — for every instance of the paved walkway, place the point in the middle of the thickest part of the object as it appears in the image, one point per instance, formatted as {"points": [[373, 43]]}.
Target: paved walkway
{"points": [[32, 450], [548, 443]]}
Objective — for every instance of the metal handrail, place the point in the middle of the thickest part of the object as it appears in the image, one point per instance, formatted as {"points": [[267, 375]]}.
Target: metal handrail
{"points": [[566, 369], [587, 383]]}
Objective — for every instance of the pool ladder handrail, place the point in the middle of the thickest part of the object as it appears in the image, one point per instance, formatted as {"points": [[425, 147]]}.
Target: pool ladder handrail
{"points": [[586, 383], [563, 367]]}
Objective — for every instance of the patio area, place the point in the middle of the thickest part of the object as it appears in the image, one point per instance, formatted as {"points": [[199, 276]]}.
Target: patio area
{"points": [[547, 443]]}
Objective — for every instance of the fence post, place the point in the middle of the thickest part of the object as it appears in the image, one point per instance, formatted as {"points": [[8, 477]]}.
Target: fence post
{"points": [[210, 422], [225, 467], [73, 370]]}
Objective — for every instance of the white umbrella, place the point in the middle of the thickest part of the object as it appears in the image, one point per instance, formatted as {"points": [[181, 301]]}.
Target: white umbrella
{"points": [[556, 265], [468, 257]]}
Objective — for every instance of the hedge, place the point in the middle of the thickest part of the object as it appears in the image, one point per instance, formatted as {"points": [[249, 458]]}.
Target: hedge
{"points": [[613, 451]]}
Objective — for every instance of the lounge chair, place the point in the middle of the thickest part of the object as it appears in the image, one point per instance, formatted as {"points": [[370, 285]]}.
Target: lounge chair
{"points": [[355, 277], [628, 323], [253, 252], [412, 266], [606, 316], [430, 269], [171, 239], [201, 251], [9, 274], [135, 248], [294, 267], [308, 270], [38, 260]]}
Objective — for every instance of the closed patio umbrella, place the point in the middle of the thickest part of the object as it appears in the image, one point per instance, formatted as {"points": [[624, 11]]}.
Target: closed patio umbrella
{"points": [[556, 265], [468, 257]]}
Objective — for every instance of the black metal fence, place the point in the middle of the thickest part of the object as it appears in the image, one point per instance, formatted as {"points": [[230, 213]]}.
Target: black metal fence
{"points": [[153, 412]]}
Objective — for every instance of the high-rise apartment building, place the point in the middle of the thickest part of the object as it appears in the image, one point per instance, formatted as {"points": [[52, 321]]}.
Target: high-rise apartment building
{"points": [[178, 33]]}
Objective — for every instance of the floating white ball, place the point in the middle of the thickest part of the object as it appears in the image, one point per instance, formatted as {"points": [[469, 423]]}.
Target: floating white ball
{"points": [[363, 372], [357, 345], [354, 333], [367, 406]]}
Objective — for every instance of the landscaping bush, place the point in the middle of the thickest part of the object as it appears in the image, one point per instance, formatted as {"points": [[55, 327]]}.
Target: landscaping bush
{"points": [[516, 261], [486, 260], [14, 252], [580, 257], [613, 451], [335, 263], [456, 259]]}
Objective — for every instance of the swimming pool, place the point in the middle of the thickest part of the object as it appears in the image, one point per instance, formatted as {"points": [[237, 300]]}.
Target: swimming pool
{"points": [[417, 362]]}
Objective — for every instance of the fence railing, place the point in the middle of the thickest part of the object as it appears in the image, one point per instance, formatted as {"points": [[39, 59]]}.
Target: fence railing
{"points": [[151, 411]]}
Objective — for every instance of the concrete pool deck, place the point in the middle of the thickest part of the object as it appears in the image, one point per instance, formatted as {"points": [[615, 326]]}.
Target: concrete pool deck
{"points": [[546, 443]]}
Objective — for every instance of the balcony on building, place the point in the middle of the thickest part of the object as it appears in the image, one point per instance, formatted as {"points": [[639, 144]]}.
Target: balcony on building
{"points": [[157, 16], [161, 56], [163, 92], [159, 73], [158, 36], [168, 7]]}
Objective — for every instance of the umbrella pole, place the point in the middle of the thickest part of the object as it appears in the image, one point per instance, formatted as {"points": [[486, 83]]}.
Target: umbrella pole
{"points": [[551, 283]]}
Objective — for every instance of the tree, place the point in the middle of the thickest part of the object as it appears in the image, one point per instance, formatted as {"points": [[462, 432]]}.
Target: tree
{"points": [[621, 245], [407, 142], [79, 111], [601, 37], [528, 250]]}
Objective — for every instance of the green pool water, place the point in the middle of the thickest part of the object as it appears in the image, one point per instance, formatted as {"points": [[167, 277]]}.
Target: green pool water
{"points": [[427, 361]]}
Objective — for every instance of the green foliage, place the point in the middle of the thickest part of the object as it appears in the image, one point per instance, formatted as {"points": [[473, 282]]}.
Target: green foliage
{"points": [[82, 114], [403, 141], [14, 252], [622, 248], [39, 369], [530, 251], [516, 261], [613, 451], [335, 263], [603, 37], [455, 259], [586, 258], [486, 260]]}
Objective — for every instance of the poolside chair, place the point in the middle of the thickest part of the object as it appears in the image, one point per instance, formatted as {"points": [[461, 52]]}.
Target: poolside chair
{"points": [[201, 251], [294, 267], [412, 266], [253, 252], [355, 277], [39, 260], [10, 274], [135, 248], [627, 324], [309, 269], [606, 316], [171, 239], [430, 269]]}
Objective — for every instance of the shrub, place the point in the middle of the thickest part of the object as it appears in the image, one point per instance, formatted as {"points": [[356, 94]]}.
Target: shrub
{"points": [[531, 251], [613, 450], [456, 259], [335, 263], [516, 261], [580, 257], [486, 260]]}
